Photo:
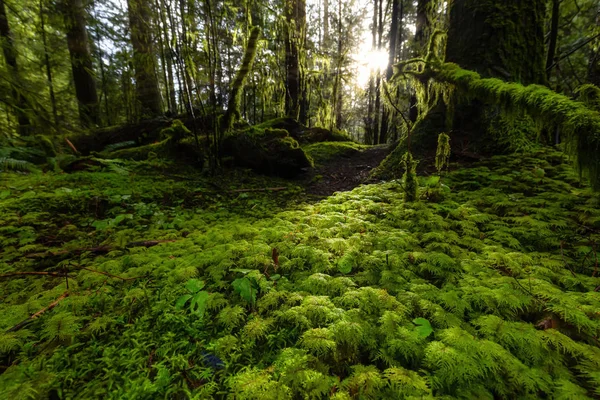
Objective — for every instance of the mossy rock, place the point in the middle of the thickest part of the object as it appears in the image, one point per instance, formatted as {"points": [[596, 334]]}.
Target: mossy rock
{"points": [[270, 151], [324, 151]]}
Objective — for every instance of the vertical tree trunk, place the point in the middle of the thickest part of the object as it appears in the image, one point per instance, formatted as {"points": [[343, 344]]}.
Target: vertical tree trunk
{"points": [[48, 66], [422, 32], [144, 63], [81, 62], [593, 75], [397, 15], [377, 119], [553, 37], [10, 55], [504, 41], [325, 24], [295, 102]]}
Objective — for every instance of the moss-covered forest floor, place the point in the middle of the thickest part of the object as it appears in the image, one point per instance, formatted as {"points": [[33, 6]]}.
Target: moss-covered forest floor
{"points": [[162, 284]]}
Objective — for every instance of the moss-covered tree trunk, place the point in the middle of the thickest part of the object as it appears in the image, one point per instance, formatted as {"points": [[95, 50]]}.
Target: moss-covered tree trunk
{"points": [[295, 99], [81, 62], [144, 62], [502, 40], [10, 57]]}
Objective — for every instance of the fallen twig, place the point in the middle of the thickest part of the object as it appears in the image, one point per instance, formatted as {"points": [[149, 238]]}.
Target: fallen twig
{"points": [[26, 322], [55, 274], [98, 250]]}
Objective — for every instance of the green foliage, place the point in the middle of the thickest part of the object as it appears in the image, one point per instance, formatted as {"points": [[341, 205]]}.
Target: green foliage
{"points": [[197, 297], [489, 292]]}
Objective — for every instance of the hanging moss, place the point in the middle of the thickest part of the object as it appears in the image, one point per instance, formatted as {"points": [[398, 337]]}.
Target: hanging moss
{"points": [[579, 125], [590, 95], [235, 97]]}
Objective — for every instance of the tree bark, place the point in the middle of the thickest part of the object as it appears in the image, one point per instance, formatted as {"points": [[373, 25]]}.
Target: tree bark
{"points": [[593, 75], [295, 99], [10, 55], [422, 32], [397, 15], [553, 37], [81, 62], [144, 62], [504, 41]]}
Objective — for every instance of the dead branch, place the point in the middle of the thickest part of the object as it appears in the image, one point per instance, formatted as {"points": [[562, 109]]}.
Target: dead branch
{"points": [[26, 322], [98, 250], [54, 274]]}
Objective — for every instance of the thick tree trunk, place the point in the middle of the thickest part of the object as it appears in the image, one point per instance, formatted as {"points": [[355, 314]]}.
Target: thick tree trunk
{"points": [[47, 63], [497, 40], [397, 16], [147, 91], [10, 55], [81, 62], [295, 99], [422, 32], [553, 37]]}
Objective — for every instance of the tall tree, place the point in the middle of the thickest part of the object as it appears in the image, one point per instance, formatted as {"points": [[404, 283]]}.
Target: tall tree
{"points": [[295, 41], [397, 16], [81, 61], [144, 61], [505, 42], [423, 27], [10, 56], [593, 75]]}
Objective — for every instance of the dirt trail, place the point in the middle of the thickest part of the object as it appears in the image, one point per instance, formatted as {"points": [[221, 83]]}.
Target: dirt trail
{"points": [[344, 173]]}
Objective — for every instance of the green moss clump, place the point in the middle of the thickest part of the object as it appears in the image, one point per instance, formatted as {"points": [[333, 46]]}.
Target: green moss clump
{"points": [[324, 151], [409, 179]]}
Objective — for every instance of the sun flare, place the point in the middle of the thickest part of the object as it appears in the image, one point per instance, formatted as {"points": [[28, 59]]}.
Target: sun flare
{"points": [[368, 62]]}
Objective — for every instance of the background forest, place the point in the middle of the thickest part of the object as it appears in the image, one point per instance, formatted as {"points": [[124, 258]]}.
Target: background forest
{"points": [[300, 199]]}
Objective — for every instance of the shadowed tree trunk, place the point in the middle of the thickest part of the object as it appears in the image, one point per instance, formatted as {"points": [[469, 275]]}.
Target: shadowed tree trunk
{"points": [[594, 64], [397, 15], [295, 99], [422, 32], [81, 62], [144, 63], [497, 40], [10, 56]]}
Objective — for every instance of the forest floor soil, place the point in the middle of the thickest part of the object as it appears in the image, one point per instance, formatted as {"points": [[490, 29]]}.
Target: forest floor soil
{"points": [[345, 172]]}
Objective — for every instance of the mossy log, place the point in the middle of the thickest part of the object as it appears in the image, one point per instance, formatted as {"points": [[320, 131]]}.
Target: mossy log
{"points": [[269, 151]]}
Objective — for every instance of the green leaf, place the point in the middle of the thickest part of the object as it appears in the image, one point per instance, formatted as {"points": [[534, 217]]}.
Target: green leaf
{"points": [[275, 277], [423, 328], [246, 289], [4, 194], [199, 302], [241, 270], [182, 300], [194, 285], [345, 264]]}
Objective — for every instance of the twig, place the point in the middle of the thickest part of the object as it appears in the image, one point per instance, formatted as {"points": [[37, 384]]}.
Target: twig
{"points": [[72, 146], [100, 249], [54, 274], [22, 324]]}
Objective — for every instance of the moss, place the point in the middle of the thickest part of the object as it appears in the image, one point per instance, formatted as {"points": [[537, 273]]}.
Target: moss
{"points": [[409, 179], [235, 97], [270, 151], [325, 151], [580, 126]]}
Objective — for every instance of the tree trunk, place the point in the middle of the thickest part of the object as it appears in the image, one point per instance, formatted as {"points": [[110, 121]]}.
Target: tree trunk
{"points": [[10, 55], [553, 37], [593, 75], [295, 99], [498, 41], [144, 63], [81, 62], [47, 63], [395, 23], [422, 32]]}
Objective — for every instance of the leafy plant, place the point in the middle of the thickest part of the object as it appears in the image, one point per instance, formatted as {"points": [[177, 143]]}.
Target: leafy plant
{"points": [[196, 297]]}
